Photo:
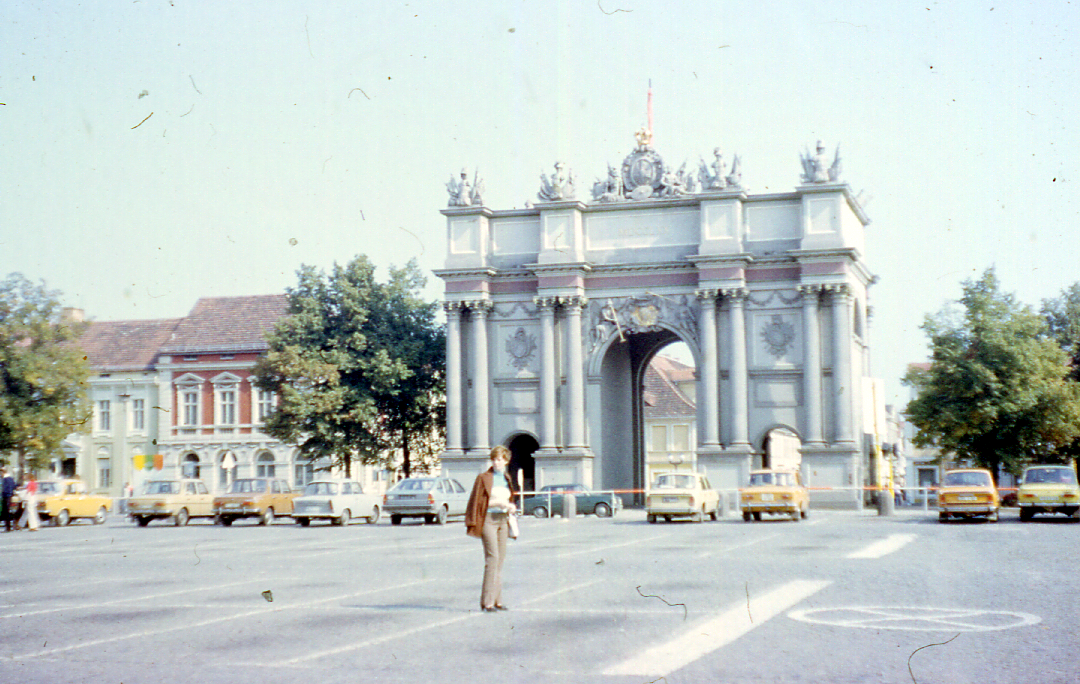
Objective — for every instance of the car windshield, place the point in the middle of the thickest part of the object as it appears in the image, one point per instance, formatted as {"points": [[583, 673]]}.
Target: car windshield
{"points": [[562, 488], [321, 489], [162, 487], [247, 487], [414, 485], [674, 482], [1050, 476], [47, 488], [967, 480]]}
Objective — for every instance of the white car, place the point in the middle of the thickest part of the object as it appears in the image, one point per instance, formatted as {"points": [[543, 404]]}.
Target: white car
{"points": [[681, 495], [338, 501]]}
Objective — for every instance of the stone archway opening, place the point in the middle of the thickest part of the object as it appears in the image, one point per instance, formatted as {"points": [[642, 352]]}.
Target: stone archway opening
{"points": [[781, 449], [522, 447]]}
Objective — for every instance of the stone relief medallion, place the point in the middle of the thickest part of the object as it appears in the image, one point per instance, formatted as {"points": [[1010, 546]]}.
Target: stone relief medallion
{"points": [[520, 346], [642, 171], [778, 335], [640, 314], [645, 316]]}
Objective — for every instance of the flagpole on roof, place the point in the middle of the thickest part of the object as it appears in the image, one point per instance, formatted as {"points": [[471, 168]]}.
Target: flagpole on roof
{"points": [[650, 108]]}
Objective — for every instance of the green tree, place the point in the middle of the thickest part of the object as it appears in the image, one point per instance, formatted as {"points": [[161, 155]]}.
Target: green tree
{"points": [[1063, 318], [357, 366], [42, 373], [996, 392]]}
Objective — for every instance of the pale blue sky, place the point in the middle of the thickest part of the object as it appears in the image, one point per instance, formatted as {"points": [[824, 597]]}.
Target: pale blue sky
{"points": [[290, 132]]}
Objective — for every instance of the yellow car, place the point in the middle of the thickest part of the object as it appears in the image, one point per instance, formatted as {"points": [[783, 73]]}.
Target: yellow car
{"points": [[179, 500], [61, 501], [257, 497], [779, 492], [681, 495], [1048, 489], [968, 493]]}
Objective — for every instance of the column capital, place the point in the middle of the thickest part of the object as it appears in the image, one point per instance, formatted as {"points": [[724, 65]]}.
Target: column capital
{"points": [[573, 301], [736, 295], [479, 307], [809, 291], [838, 291], [546, 303], [707, 295], [453, 308]]}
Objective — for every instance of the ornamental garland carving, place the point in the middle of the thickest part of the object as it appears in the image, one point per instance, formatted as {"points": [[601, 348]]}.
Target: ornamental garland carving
{"points": [[623, 316], [521, 347]]}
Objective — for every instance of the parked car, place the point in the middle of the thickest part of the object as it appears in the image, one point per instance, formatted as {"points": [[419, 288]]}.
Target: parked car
{"points": [[681, 495], [61, 501], [550, 500], [257, 497], [435, 499], [179, 500], [1048, 489], [336, 500], [968, 493], [777, 492]]}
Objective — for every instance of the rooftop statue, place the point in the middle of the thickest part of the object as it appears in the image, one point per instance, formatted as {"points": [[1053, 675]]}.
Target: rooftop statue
{"points": [[610, 189], [674, 182], [559, 187], [734, 179], [715, 177], [464, 194], [814, 169]]}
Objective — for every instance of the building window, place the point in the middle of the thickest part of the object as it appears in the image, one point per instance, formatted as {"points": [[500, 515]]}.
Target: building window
{"points": [[264, 465], [189, 398], [266, 404], [680, 438], [227, 407], [104, 415], [138, 414], [304, 473], [191, 467], [658, 443], [104, 473]]}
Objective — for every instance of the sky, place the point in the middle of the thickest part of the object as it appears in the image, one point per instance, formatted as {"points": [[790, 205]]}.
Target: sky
{"points": [[158, 151]]}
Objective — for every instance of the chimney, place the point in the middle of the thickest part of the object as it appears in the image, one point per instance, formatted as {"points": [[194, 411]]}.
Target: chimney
{"points": [[71, 314]]}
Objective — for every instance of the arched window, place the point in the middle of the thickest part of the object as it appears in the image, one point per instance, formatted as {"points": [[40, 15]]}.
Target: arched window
{"points": [[191, 467], [264, 464]]}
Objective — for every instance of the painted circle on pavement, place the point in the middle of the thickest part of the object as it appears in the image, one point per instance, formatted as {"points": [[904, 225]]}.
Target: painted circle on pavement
{"points": [[913, 618]]}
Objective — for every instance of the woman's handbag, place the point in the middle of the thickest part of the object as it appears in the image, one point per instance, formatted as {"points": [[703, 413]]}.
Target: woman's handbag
{"points": [[513, 526]]}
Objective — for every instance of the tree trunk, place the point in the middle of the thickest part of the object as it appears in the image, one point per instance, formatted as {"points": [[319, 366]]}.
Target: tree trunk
{"points": [[406, 463]]}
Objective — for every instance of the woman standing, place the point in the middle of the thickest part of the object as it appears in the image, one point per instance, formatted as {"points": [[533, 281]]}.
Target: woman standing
{"points": [[487, 516], [30, 515]]}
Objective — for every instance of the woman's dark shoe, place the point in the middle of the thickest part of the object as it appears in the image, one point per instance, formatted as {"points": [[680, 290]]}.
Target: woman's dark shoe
{"points": [[499, 606], [492, 609]]}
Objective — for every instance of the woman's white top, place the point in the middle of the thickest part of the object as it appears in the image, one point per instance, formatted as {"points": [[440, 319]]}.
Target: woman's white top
{"points": [[500, 494]]}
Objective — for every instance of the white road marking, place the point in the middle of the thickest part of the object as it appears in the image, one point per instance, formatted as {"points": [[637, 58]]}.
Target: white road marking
{"points": [[414, 630], [917, 619], [213, 621], [740, 618], [883, 547]]}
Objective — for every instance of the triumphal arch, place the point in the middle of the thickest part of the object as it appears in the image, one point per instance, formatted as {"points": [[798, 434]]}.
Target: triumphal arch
{"points": [[554, 311]]}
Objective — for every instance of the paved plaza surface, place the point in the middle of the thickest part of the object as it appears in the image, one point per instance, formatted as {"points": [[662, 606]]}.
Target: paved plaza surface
{"points": [[841, 597]]}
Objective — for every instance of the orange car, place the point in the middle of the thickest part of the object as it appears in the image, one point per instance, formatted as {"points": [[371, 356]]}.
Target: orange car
{"points": [[779, 492], [968, 493]]}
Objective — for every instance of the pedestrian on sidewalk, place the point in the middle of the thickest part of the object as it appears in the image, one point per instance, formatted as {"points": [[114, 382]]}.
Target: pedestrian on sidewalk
{"points": [[7, 490], [30, 516], [487, 517]]}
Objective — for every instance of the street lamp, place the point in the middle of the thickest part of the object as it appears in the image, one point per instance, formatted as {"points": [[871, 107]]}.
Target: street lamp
{"points": [[675, 460]]}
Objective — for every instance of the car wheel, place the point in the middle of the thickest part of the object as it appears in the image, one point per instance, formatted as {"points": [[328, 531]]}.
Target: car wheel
{"points": [[715, 515], [182, 517], [142, 520], [667, 518], [746, 516], [795, 516], [63, 517], [267, 517], [375, 514], [699, 516], [805, 513], [602, 510], [993, 517], [226, 520], [303, 522], [1025, 514], [540, 512], [395, 519], [441, 516], [757, 516], [100, 517], [343, 519], [652, 519]]}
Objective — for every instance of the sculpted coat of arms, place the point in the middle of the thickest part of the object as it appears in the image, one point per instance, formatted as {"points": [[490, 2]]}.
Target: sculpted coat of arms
{"points": [[520, 346]]}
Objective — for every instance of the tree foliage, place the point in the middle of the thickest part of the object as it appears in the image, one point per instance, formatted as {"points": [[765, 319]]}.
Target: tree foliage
{"points": [[42, 373], [996, 392], [357, 367]]}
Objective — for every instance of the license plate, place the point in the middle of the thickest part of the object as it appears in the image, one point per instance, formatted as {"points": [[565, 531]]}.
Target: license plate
{"points": [[967, 498], [671, 499], [1048, 498], [766, 497], [232, 505]]}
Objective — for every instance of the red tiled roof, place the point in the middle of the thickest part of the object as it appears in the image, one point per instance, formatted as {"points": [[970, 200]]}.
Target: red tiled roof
{"points": [[663, 399], [227, 324], [125, 345]]}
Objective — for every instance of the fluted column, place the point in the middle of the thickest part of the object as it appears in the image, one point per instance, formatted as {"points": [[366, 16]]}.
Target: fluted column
{"points": [[453, 376], [811, 365], [575, 374], [843, 392], [740, 414], [710, 369], [480, 425], [548, 373]]}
